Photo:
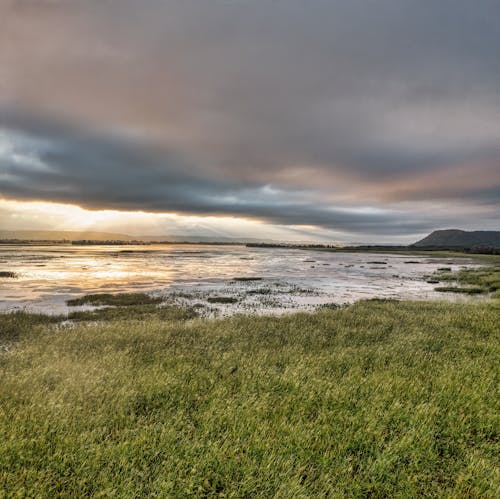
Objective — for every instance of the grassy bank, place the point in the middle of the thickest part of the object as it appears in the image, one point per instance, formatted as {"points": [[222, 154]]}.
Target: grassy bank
{"points": [[478, 280], [382, 398]]}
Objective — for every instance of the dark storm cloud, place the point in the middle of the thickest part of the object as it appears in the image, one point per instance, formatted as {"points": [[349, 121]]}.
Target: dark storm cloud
{"points": [[331, 103], [100, 172]]}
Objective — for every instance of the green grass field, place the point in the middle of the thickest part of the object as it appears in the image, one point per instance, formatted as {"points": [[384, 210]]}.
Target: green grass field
{"points": [[380, 399]]}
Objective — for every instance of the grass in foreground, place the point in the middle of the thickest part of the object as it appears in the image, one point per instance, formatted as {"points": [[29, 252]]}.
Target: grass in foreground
{"points": [[382, 399]]}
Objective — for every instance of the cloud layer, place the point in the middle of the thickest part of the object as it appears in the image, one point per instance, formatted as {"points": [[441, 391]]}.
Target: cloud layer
{"points": [[365, 117]]}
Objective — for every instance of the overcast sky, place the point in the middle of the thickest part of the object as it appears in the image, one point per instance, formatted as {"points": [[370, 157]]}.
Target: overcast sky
{"points": [[349, 120]]}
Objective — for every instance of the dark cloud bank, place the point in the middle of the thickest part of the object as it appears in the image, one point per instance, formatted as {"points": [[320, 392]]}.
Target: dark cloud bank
{"points": [[366, 117]]}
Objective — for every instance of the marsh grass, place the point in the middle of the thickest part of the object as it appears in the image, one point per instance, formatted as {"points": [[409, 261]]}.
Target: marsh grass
{"points": [[129, 306], [456, 289], [259, 291], [17, 325], [485, 279], [222, 299], [380, 399], [122, 299], [135, 313]]}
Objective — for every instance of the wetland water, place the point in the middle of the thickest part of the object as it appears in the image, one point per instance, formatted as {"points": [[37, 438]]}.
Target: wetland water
{"points": [[286, 279]]}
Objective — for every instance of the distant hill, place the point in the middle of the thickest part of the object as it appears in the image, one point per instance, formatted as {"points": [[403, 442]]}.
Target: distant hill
{"points": [[68, 235], [454, 238], [63, 235]]}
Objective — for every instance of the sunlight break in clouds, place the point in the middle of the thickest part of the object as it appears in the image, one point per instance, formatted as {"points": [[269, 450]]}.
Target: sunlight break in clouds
{"points": [[16, 215]]}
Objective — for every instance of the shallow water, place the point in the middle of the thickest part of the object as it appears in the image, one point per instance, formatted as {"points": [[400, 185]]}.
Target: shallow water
{"points": [[292, 279]]}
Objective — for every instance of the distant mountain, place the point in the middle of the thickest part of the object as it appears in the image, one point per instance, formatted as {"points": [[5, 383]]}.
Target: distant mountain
{"points": [[62, 235], [454, 238], [68, 235]]}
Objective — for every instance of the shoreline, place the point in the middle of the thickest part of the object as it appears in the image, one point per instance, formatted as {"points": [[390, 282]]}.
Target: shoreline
{"points": [[222, 281]]}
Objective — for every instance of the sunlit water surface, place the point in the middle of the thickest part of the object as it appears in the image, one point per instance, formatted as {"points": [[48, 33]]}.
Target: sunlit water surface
{"points": [[292, 279]]}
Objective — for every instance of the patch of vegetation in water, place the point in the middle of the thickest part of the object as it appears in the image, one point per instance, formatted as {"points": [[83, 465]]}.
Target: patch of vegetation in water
{"points": [[222, 299], [259, 291], [383, 300], [8, 274], [181, 294], [120, 300], [128, 306], [378, 399], [297, 290], [485, 278], [377, 263], [135, 313], [246, 279], [464, 290]]}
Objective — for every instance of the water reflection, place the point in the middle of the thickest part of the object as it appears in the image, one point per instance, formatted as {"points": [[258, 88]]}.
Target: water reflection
{"points": [[292, 279]]}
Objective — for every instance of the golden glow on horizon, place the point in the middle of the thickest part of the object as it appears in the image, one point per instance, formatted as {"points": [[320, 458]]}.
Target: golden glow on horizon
{"points": [[42, 215], [17, 215]]}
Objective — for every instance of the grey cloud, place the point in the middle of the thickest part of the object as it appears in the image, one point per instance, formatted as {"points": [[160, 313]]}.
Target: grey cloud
{"points": [[107, 173], [369, 99]]}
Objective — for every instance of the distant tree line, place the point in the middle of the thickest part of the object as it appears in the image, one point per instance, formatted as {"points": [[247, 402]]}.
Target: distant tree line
{"points": [[476, 250], [112, 242], [482, 250], [90, 242], [107, 242], [32, 241]]}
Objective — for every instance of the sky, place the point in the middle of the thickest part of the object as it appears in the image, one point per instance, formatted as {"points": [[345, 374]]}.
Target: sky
{"points": [[318, 120]]}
